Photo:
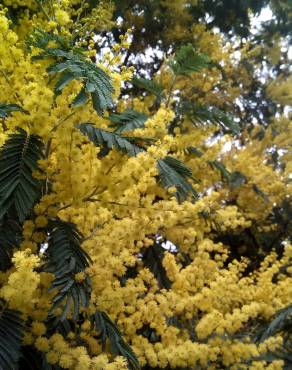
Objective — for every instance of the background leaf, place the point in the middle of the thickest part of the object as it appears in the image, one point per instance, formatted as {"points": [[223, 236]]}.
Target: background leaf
{"points": [[201, 115], [187, 60], [148, 85]]}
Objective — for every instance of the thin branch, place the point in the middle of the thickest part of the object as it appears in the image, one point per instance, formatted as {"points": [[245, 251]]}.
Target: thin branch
{"points": [[39, 2], [62, 121]]}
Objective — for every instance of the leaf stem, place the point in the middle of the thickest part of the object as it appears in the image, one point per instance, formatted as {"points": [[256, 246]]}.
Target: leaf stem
{"points": [[171, 90]]}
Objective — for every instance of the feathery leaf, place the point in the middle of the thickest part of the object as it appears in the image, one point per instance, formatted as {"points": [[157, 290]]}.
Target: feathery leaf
{"points": [[109, 331], [18, 160], [129, 120], [11, 332], [7, 109], [73, 65], [109, 139], [148, 85], [174, 173], [66, 258]]}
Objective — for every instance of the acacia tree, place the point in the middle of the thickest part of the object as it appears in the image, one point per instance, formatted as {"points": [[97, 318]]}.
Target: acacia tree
{"points": [[144, 203]]}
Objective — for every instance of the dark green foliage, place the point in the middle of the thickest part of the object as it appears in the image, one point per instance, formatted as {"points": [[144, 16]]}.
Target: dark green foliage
{"points": [[236, 179], [19, 190], [191, 150], [7, 109], [32, 359], [65, 259], [281, 322], [109, 139], [233, 179], [174, 173], [10, 235], [151, 334], [187, 61], [108, 331], [148, 85], [62, 327], [73, 65], [11, 332], [201, 115], [152, 259], [128, 120]]}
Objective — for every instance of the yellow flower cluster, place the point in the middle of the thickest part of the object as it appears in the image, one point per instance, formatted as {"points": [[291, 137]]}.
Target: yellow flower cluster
{"points": [[59, 351], [121, 209], [23, 276]]}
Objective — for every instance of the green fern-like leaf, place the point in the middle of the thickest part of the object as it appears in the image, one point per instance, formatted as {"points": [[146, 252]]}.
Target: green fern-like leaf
{"points": [[148, 85], [66, 258], [11, 332], [72, 65], [109, 139], [108, 331], [129, 120], [187, 61], [174, 173], [7, 109], [201, 115], [225, 174], [19, 190]]}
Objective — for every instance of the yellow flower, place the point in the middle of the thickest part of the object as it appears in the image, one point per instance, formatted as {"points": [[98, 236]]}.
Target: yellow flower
{"points": [[4, 25], [62, 17], [41, 221], [42, 344], [52, 357], [38, 328], [66, 361], [24, 275]]}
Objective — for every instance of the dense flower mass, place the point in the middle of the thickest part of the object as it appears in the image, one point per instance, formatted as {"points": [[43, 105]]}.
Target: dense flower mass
{"points": [[144, 225]]}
